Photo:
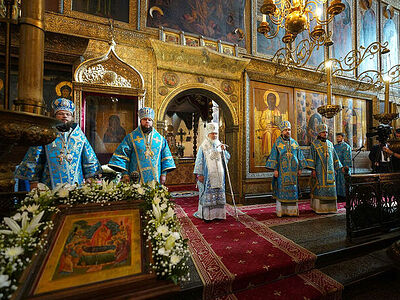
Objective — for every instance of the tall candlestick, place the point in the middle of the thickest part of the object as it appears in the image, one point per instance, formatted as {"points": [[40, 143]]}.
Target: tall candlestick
{"points": [[387, 83], [328, 66]]}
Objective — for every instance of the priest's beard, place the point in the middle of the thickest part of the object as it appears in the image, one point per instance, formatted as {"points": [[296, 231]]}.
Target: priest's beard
{"points": [[322, 139], [145, 129], [213, 142], [285, 137]]}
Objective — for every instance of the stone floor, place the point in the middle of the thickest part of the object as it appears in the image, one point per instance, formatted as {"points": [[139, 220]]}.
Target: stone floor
{"points": [[319, 235], [365, 271]]}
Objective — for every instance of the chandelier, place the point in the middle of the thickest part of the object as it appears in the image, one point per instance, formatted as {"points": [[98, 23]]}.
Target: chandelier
{"points": [[295, 16]]}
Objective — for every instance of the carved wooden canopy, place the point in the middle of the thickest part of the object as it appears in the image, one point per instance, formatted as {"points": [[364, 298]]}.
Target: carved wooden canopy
{"points": [[109, 74]]}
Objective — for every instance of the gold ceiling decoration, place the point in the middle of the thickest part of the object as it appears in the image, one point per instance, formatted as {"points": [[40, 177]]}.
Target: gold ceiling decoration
{"points": [[295, 17]]}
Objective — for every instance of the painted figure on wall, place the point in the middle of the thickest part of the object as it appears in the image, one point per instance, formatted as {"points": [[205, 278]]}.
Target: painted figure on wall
{"points": [[219, 19], [301, 118], [318, 53], [115, 9], [115, 133], [269, 121], [315, 119], [57, 83], [270, 46], [390, 35], [368, 32], [308, 118], [342, 41]]}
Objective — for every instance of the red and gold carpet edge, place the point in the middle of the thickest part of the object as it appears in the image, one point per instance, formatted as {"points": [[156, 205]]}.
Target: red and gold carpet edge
{"points": [[215, 276], [245, 259]]}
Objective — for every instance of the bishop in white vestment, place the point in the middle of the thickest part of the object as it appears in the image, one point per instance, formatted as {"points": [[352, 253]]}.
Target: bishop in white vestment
{"points": [[210, 171]]}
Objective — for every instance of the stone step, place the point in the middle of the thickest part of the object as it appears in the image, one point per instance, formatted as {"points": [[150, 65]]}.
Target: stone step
{"points": [[357, 248], [363, 274]]}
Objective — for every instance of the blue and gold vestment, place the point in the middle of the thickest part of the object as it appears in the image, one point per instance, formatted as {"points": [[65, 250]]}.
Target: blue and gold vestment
{"points": [[151, 159], [343, 151], [324, 160], [68, 159], [287, 158]]}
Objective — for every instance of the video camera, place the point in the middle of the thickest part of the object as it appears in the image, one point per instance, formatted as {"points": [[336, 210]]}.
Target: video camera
{"points": [[382, 132]]}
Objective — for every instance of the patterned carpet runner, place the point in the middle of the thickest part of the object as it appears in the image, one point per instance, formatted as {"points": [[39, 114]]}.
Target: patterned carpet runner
{"points": [[246, 259], [265, 213]]}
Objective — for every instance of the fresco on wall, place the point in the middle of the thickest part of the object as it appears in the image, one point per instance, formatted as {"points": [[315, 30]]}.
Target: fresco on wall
{"points": [[367, 31], [390, 35], [56, 84], [216, 19], [352, 120], [270, 46], [114, 9], [341, 36], [308, 117]]}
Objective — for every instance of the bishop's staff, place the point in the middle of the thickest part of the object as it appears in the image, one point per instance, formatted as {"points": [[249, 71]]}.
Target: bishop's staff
{"points": [[229, 179]]}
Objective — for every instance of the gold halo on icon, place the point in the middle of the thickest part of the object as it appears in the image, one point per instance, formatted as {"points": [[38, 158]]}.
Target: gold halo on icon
{"points": [[271, 92], [62, 84]]}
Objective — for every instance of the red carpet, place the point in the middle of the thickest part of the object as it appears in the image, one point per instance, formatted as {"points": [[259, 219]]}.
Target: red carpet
{"points": [[183, 187], [233, 256]]}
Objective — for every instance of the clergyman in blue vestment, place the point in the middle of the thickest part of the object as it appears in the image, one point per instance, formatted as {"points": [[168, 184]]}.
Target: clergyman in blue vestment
{"points": [[343, 151], [144, 151], [323, 161], [287, 161], [68, 159], [209, 169]]}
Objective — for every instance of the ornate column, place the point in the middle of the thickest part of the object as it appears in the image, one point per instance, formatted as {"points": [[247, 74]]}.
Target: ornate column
{"points": [[20, 130], [31, 58]]}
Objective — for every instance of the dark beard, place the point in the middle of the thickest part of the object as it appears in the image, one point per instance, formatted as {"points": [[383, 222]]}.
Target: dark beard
{"points": [[322, 139], [64, 127], [286, 138], [146, 130]]}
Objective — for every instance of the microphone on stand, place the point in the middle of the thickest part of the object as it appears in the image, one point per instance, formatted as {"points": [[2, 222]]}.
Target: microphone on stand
{"points": [[359, 149]]}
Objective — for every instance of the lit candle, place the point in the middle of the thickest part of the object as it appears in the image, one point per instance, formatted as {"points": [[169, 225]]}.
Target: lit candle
{"points": [[328, 67], [318, 12], [264, 18]]}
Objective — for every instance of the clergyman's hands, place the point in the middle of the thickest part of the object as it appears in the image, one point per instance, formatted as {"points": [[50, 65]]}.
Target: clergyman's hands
{"points": [[299, 172], [163, 178], [200, 178], [125, 178], [33, 185], [276, 173]]}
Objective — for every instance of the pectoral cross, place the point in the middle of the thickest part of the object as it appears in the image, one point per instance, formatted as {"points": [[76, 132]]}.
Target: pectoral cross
{"points": [[148, 153], [60, 158], [137, 139]]}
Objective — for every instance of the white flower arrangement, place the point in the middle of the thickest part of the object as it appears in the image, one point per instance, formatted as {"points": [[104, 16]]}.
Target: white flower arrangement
{"points": [[170, 250], [24, 233]]}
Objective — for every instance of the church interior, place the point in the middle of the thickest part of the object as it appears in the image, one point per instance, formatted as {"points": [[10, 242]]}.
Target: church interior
{"points": [[255, 69]]}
